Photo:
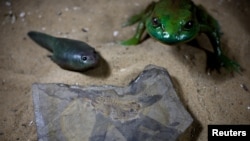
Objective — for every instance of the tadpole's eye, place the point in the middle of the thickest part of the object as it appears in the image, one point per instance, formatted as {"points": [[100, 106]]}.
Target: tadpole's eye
{"points": [[84, 58], [188, 25], [156, 22]]}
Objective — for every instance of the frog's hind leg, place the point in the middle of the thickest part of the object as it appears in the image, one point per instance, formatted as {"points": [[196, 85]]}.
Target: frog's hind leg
{"points": [[211, 28]]}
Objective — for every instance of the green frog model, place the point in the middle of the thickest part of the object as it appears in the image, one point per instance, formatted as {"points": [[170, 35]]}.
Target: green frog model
{"points": [[68, 54], [178, 21]]}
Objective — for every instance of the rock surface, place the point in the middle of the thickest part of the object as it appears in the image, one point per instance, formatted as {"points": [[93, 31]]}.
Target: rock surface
{"points": [[147, 109]]}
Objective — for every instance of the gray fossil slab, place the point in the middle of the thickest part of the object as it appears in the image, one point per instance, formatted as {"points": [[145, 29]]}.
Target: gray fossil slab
{"points": [[147, 109]]}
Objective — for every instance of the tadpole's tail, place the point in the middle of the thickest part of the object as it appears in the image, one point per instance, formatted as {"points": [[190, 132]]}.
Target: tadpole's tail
{"points": [[44, 40]]}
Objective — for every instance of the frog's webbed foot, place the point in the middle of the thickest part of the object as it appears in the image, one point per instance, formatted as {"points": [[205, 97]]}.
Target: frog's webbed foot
{"points": [[230, 65], [215, 62]]}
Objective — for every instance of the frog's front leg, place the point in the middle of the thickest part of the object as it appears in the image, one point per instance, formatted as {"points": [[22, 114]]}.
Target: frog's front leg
{"points": [[211, 28], [137, 37], [220, 59], [140, 27]]}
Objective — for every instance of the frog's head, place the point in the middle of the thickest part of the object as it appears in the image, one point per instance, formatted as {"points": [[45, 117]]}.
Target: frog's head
{"points": [[172, 28]]}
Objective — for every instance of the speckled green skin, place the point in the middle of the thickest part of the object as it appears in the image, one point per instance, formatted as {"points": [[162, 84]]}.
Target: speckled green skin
{"points": [[69, 54], [179, 21]]}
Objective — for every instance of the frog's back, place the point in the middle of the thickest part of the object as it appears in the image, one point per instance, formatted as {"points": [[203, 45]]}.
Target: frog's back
{"points": [[174, 5]]}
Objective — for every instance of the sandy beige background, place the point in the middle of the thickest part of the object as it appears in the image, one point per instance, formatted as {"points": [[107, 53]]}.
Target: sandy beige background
{"points": [[211, 99]]}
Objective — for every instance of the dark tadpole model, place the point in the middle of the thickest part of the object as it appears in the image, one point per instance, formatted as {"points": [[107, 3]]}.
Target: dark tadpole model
{"points": [[67, 53]]}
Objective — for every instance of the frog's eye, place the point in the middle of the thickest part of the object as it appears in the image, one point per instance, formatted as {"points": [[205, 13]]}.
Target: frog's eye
{"points": [[156, 22], [188, 25]]}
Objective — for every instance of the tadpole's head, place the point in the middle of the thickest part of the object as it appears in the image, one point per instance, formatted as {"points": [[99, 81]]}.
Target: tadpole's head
{"points": [[85, 60]]}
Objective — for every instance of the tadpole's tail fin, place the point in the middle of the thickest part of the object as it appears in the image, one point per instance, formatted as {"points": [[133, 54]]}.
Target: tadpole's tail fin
{"points": [[44, 40]]}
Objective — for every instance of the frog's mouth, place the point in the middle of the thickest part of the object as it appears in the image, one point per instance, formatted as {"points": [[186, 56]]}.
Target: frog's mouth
{"points": [[172, 39]]}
